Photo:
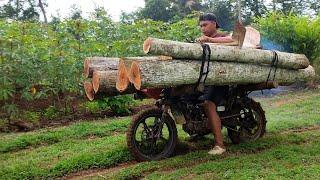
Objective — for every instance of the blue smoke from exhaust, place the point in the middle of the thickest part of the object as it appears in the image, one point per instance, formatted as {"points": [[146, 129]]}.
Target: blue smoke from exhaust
{"points": [[271, 45]]}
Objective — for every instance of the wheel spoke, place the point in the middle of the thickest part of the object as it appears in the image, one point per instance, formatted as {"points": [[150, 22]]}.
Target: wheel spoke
{"points": [[146, 128]]}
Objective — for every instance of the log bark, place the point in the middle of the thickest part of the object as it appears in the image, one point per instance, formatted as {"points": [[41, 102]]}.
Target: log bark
{"points": [[91, 64], [181, 50], [173, 73]]}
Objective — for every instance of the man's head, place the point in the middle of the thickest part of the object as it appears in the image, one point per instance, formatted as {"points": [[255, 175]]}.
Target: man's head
{"points": [[208, 24]]}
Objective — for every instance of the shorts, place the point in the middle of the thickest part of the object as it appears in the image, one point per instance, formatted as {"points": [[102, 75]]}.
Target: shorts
{"points": [[216, 94]]}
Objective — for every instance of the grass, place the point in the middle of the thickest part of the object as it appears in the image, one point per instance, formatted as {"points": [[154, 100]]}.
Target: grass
{"points": [[82, 130], [56, 152]]}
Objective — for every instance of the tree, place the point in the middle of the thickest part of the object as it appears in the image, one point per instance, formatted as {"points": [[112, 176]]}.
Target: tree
{"points": [[41, 5], [20, 10], [224, 10], [186, 7], [76, 12], [251, 9], [158, 10]]}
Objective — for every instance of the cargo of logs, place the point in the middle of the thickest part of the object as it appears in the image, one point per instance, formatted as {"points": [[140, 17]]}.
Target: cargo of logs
{"points": [[177, 63]]}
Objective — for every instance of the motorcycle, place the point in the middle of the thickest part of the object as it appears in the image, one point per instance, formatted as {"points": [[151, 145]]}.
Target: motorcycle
{"points": [[152, 134]]}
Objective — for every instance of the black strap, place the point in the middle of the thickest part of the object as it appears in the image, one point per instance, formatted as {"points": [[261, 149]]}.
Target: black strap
{"points": [[204, 71], [274, 64]]}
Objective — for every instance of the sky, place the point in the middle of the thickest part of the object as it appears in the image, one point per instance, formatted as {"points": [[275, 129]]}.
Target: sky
{"points": [[113, 7]]}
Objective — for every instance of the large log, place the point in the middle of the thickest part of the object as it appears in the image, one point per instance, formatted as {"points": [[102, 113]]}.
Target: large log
{"points": [[104, 82], [91, 64], [181, 50], [124, 69], [150, 74]]}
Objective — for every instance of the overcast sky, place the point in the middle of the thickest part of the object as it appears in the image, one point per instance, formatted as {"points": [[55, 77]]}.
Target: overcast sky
{"points": [[113, 7]]}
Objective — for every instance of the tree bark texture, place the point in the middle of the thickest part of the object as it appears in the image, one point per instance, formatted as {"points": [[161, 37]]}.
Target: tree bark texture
{"points": [[173, 73], [194, 51], [91, 64]]}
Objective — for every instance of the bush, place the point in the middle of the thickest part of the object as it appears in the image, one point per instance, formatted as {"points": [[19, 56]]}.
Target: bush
{"points": [[301, 34], [50, 113]]}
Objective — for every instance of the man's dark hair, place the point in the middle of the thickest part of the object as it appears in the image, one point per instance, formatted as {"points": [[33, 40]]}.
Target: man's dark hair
{"points": [[209, 17]]}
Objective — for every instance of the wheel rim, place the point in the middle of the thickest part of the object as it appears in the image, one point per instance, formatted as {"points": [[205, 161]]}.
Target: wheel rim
{"points": [[252, 121], [148, 140]]}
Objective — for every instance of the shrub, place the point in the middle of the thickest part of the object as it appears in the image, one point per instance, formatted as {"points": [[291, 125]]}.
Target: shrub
{"points": [[301, 34]]}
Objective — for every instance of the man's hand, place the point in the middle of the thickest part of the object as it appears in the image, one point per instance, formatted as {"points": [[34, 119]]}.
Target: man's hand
{"points": [[203, 39]]}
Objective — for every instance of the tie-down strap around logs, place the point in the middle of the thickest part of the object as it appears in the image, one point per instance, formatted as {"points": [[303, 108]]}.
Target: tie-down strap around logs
{"points": [[204, 71]]}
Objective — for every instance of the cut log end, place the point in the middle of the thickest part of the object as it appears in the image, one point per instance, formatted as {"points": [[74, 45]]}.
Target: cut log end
{"points": [[95, 81], [147, 45], [135, 75], [86, 68], [122, 77], [88, 88]]}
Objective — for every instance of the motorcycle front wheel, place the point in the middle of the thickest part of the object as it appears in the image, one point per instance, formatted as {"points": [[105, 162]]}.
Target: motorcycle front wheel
{"points": [[151, 136]]}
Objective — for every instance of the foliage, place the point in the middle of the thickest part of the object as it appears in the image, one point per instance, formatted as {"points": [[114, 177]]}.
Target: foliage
{"points": [[157, 10], [50, 113], [119, 104], [21, 10], [31, 116], [302, 34], [40, 61], [226, 11]]}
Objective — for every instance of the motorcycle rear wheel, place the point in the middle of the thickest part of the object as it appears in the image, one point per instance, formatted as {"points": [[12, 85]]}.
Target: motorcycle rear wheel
{"points": [[146, 141], [258, 123]]}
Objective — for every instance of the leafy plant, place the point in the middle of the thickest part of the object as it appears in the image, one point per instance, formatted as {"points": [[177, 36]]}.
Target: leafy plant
{"points": [[51, 113], [119, 104]]}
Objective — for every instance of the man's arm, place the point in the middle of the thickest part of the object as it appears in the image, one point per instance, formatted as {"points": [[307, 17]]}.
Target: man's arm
{"points": [[206, 39]]}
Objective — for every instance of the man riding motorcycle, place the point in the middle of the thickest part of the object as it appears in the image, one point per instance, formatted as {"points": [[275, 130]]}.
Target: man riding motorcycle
{"points": [[213, 95]]}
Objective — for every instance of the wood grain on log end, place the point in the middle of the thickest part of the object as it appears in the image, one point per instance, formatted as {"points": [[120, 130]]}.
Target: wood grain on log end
{"points": [[86, 68], [147, 45], [95, 81], [88, 88], [135, 75], [122, 77]]}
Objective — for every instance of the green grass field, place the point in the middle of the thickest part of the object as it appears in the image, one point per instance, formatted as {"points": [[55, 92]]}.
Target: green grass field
{"points": [[290, 149]]}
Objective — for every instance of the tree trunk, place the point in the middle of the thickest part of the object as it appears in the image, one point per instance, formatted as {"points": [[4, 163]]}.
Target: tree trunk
{"points": [[43, 11], [194, 51], [150, 74]]}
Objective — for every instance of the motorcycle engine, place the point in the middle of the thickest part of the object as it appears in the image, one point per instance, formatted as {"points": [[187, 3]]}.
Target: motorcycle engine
{"points": [[196, 121]]}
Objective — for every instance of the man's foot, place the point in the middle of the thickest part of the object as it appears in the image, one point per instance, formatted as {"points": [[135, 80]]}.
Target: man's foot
{"points": [[217, 150]]}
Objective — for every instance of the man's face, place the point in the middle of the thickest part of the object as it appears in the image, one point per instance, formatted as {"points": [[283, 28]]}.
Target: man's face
{"points": [[208, 28]]}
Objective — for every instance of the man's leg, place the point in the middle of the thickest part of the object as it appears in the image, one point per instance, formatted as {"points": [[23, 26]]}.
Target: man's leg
{"points": [[215, 122]]}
